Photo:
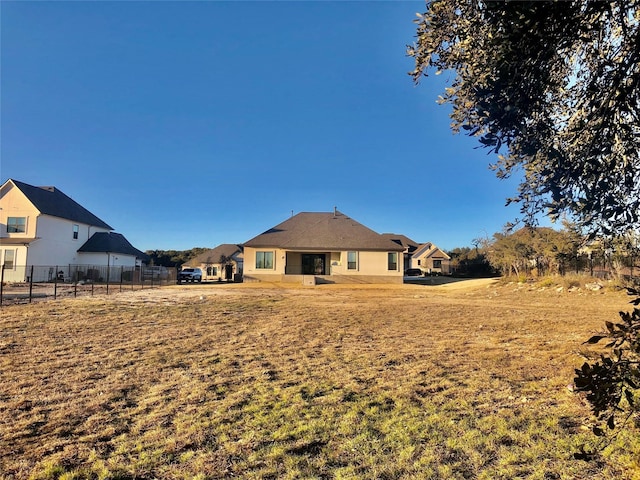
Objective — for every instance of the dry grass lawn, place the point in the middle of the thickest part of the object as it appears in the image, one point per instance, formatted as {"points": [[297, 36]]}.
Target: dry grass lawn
{"points": [[265, 381]]}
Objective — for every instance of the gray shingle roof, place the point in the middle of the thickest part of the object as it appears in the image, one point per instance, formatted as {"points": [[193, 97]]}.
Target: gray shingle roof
{"points": [[51, 201], [403, 240], [323, 231], [103, 242], [213, 255]]}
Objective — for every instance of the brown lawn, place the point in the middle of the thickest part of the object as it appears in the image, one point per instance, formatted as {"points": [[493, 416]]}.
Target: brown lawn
{"points": [[465, 380]]}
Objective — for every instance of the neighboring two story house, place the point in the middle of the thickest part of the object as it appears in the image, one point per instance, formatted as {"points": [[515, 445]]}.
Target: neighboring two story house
{"points": [[42, 226], [323, 247]]}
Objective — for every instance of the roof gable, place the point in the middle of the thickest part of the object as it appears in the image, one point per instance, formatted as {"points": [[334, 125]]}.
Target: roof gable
{"points": [[428, 250], [51, 201], [213, 255], [323, 231], [109, 242]]}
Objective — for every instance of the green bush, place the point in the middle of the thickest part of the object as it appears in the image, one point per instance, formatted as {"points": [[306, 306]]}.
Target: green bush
{"points": [[611, 384]]}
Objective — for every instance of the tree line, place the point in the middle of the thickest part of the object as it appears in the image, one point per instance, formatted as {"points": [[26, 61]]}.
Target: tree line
{"points": [[540, 251], [173, 258]]}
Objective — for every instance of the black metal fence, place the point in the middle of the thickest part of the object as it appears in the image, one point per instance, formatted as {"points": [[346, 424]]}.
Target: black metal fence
{"points": [[26, 283]]}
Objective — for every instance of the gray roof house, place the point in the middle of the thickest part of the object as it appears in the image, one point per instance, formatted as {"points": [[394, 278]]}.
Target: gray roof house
{"points": [[222, 262], [322, 247], [41, 226]]}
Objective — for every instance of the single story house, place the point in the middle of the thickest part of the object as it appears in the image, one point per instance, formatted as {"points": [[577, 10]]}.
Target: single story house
{"points": [[322, 247], [44, 228], [431, 260], [409, 246], [224, 262]]}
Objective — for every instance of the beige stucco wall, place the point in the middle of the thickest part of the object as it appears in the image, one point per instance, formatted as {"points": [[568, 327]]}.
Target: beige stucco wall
{"points": [[220, 270], [14, 204], [425, 262]]}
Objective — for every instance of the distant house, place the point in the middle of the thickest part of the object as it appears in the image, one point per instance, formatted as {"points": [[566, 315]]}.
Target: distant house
{"points": [[224, 262], [431, 260], [323, 247], [42, 226], [409, 246]]}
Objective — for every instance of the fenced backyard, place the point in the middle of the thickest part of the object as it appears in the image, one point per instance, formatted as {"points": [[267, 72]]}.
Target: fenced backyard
{"points": [[47, 281]]}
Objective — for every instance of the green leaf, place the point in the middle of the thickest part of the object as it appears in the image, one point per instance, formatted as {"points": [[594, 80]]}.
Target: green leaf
{"points": [[595, 339]]}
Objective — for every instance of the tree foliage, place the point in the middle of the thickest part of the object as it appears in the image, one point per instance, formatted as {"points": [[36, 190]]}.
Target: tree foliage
{"points": [[553, 89], [173, 258], [545, 249], [470, 262], [611, 384]]}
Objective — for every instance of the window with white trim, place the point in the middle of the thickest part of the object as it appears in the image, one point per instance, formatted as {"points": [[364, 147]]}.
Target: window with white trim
{"points": [[16, 224], [9, 259], [76, 230]]}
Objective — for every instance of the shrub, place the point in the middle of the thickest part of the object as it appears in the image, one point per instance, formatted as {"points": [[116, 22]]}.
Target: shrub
{"points": [[612, 382]]}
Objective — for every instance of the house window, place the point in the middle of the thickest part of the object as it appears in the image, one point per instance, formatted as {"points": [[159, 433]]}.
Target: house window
{"points": [[352, 260], [212, 271], [418, 262], [16, 224], [437, 264], [9, 259], [392, 261], [76, 229], [264, 260]]}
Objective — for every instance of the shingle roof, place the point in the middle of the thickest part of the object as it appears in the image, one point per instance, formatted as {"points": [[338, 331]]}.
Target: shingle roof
{"points": [[51, 201], [403, 240], [103, 242], [323, 231], [428, 249], [213, 255]]}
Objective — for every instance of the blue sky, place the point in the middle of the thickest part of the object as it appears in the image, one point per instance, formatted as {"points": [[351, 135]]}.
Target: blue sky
{"points": [[191, 124]]}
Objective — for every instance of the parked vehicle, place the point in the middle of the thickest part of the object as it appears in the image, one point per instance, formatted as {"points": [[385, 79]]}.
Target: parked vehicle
{"points": [[413, 272], [190, 275]]}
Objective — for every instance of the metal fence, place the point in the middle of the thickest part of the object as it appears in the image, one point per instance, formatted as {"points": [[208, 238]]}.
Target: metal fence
{"points": [[29, 282]]}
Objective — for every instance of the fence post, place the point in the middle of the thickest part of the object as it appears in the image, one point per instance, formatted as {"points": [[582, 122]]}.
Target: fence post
{"points": [[1, 283], [31, 284], [108, 274], [75, 284], [55, 283], [121, 275]]}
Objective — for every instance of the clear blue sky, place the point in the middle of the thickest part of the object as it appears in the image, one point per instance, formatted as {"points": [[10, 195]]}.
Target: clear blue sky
{"points": [[191, 124]]}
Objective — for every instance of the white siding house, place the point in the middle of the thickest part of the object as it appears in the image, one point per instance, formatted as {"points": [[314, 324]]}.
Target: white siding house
{"points": [[42, 226]]}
